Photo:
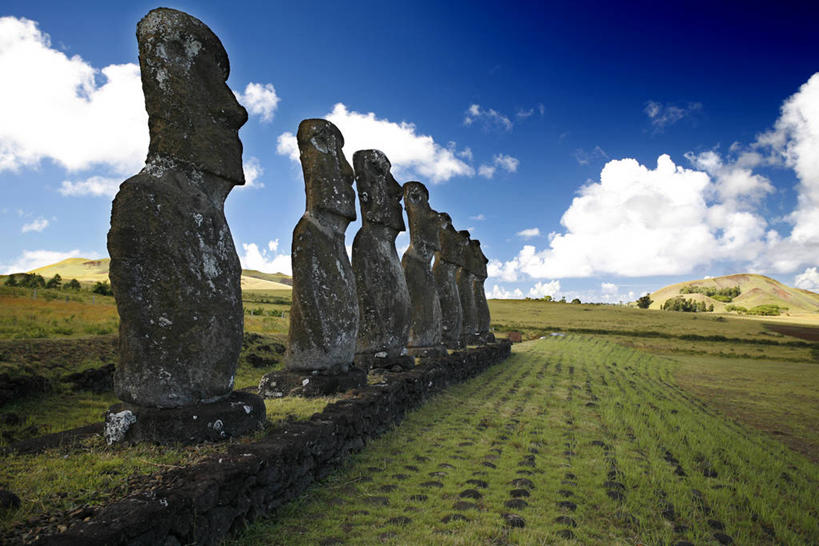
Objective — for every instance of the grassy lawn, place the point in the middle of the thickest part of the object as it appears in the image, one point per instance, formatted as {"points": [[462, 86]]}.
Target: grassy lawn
{"points": [[580, 438], [648, 382], [781, 398]]}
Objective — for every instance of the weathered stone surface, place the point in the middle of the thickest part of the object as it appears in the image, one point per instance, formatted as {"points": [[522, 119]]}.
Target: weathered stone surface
{"points": [[383, 296], [447, 261], [479, 262], [240, 413], [324, 313], [425, 223], [465, 278], [283, 383], [174, 270]]}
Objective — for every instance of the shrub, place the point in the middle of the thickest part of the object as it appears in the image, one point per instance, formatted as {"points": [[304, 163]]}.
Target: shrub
{"points": [[102, 288], [644, 301]]}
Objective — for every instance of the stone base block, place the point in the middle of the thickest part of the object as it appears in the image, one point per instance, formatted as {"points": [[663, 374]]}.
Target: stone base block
{"points": [[455, 345], [310, 384], [239, 414], [428, 352], [374, 361]]}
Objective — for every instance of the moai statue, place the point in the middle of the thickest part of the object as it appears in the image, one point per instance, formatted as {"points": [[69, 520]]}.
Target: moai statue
{"points": [[324, 312], [174, 270], [465, 278], [383, 296], [481, 305], [425, 326], [447, 261]]}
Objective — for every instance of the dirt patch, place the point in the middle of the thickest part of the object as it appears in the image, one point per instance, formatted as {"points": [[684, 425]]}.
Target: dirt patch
{"points": [[808, 333]]}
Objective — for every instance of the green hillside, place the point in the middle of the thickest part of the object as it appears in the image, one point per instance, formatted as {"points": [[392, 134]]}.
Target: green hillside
{"points": [[85, 270], [754, 290]]}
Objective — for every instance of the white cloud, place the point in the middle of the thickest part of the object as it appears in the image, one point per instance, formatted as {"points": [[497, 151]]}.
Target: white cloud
{"points": [[608, 288], [584, 158], [286, 144], [267, 259], [635, 222], [502, 161], [808, 280], [662, 115], [63, 109], [529, 233], [541, 289], [489, 118], [507, 162], [795, 140], [260, 100], [37, 225], [32, 259], [410, 153], [478, 217], [97, 186], [487, 171], [253, 170], [498, 292]]}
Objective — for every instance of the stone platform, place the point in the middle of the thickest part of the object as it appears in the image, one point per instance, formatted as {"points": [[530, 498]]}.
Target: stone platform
{"points": [[281, 383], [239, 414]]}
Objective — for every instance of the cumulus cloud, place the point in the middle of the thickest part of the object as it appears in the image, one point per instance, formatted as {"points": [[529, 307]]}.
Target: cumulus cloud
{"points": [[635, 222], [498, 292], [32, 259], [260, 100], [409, 152], [663, 115], [541, 289], [267, 260], [808, 280], [61, 108], [529, 233], [795, 141], [37, 225], [96, 186], [253, 170], [490, 118], [500, 161]]}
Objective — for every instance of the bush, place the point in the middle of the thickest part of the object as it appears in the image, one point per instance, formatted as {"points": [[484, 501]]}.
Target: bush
{"points": [[644, 301], [73, 284], [54, 282], [103, 288], [576, 300]]}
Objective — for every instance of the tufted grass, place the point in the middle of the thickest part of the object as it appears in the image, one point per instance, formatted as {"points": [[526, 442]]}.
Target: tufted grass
{"points": [[575, 405]]}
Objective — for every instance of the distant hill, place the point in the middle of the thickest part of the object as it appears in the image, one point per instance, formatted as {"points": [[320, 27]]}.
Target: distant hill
{"points": [[85, 270], [755, 290]]}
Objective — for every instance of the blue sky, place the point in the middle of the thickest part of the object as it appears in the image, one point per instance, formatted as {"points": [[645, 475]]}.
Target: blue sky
{"points": [[598, 150]]}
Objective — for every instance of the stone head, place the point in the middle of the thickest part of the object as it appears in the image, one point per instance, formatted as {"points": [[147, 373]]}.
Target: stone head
{"points": [[193, 115], [328, 178], [477, 259], [464, 249], [451, 249], [378, 192], [425, 223]]}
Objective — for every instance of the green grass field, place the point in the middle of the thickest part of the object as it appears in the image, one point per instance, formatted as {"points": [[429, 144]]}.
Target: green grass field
{"points": [[713, 390], [579, 437]]}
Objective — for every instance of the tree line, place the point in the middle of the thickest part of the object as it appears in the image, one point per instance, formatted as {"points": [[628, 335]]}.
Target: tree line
{"points": [[35, 280]]}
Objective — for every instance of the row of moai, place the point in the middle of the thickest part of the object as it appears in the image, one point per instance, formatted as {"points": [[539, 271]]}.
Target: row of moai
{"points": [[376, 312], [176, 275]]}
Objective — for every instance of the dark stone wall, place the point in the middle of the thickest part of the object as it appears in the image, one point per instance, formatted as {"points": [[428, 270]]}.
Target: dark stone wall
{"points": [[202, 503]]}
